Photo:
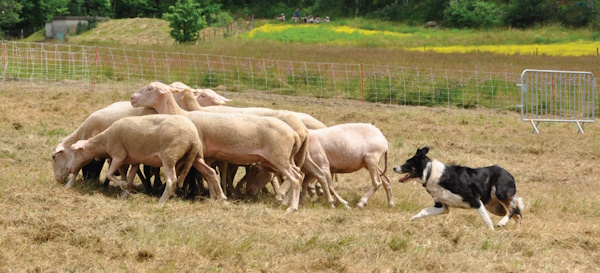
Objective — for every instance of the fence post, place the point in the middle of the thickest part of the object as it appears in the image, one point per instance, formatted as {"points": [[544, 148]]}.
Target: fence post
{"points": [[4, 61], [223, 68], [278, 76], [266, 81], [181, 65], [390, 83], [209, 74], [112, 58], [306, 78], [334, 87], [95, 68], [251, 72], [347, 79], [362, 85], [141, 66]]}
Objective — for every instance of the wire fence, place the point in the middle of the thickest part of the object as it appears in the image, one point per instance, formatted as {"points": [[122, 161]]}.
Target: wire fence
{"points": [[39, 62]]}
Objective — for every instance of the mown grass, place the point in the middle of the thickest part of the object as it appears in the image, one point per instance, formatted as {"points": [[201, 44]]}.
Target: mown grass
{"points": [[45, 227]]}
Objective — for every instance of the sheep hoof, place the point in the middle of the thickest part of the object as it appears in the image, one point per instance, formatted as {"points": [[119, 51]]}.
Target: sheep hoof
{"points": [[124, 195], [361, 205], [290, 210]]}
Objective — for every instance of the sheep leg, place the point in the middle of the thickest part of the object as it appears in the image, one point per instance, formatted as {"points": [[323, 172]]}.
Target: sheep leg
{"points": [[128, 187], [373, 167], [170, 173], [388, 188], [72, 179], [293, 177], [210, 174], [331, 185], [320, 173], [115, 163]]}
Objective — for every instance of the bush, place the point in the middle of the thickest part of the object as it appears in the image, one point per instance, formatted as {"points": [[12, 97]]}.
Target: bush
{"points": [[81, 27], [185, 20], [526, 13], [472, 14], [578, 14]]}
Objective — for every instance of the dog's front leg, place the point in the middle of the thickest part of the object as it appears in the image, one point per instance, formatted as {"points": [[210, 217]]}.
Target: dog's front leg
{"points": [[484, 215], [439, 208]]}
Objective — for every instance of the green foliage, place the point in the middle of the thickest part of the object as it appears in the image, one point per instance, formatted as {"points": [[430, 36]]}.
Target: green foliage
{"points": [[85, 27], [472, 14], [10, 15], [134, 8], [185, 20], [526, 13], [89, 7], [577, 14], [433, 10]]}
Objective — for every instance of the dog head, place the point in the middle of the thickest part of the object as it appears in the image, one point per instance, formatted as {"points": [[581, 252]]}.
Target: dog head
{"points": [[415, 166]]}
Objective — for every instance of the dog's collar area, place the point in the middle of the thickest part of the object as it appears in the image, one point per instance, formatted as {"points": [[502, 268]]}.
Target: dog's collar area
{"points": [[428, 174]]}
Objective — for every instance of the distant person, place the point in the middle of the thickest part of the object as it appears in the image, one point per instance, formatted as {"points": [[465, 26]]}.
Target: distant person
{"points": [[303, 20], [281, 17], [326, 19], [311, 19], [318, 19], [296, 16]]}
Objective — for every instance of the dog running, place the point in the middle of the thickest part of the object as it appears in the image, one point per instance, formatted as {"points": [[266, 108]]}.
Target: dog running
{"points": [[492, 188]]}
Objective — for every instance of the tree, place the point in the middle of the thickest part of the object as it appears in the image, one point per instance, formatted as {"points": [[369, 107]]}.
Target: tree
{"points": [[9, 14], [526, 13], [185, 20]]}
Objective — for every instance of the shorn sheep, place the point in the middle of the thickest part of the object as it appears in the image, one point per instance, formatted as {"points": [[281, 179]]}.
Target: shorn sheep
{"points": [[93, 125], [343, 148], [295, 120], [98, 122], [235, 138], [165, 141]]}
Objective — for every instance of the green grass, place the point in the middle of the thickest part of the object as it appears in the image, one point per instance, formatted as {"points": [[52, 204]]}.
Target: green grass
{"points": [[389, 35]]}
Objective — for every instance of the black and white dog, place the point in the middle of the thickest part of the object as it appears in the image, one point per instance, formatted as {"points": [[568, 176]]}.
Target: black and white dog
{"points": [[492, 188]]}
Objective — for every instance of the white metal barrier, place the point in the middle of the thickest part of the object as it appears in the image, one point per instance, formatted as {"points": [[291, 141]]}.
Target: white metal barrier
{"points": [[557, 96]]}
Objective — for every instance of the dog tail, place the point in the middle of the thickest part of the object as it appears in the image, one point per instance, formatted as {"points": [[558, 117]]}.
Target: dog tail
{"points": [[517, 204]]}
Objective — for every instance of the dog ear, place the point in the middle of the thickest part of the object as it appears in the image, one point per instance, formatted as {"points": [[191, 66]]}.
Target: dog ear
{"points": [[423, 151]]}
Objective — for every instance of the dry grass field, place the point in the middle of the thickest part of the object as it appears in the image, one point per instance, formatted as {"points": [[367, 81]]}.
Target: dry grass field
{"points": [[47, 228]]}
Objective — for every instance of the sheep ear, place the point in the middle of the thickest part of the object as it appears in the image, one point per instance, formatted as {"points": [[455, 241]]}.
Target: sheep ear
{"points": [[77, 146], [59, 149], [224, 99]]}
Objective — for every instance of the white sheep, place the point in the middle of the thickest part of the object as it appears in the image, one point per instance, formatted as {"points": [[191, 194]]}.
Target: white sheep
{"points": [[93, 125], [163, 141], [204, 97], [186, 100], [343, 148], [235, 138]]}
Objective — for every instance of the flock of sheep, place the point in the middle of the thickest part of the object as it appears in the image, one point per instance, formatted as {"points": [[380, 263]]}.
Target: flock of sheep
{"points": [[186, 131]]}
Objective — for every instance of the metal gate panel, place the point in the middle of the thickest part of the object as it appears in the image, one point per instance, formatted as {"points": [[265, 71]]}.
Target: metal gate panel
{"points": [[557, 96]]}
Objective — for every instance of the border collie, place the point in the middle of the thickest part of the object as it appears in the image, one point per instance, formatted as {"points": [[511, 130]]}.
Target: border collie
{"points": [[492, 188]]}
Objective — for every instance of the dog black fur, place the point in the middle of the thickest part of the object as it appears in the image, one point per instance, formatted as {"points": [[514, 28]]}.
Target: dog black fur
{"points": [[492, 188]]}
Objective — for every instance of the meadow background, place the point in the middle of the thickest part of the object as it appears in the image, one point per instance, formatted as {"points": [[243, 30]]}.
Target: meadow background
{"points": [[88, 228]]}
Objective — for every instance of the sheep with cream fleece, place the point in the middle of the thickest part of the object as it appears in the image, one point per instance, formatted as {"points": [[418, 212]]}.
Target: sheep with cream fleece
{"points": [[235, 138], [165, 141], [343, 148], [93, 125], [204, 97], [188, 102]]}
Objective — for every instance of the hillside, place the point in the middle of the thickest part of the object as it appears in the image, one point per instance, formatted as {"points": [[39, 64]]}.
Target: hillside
{"points": [[127, 31]]}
